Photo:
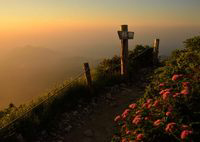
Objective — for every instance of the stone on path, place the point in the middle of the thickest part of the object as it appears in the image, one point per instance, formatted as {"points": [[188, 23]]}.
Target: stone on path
{"points": [[127, 89], [109, 96], [88, 140], [89, 133], [20, 138], [68, 128]]}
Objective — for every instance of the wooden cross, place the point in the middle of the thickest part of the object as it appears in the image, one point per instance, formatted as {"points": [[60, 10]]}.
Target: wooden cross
{"points": [[124, 36]]}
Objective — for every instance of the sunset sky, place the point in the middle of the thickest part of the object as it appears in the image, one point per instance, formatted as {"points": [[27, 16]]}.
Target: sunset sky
{"points": [[61, 23]]}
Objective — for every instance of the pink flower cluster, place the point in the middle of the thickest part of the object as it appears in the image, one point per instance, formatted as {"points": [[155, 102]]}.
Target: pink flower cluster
{"points": [[176, 77], [125, 113], [186, 88], [185, 134], [137, 119], [170, 127], [132, 106], [159, 112], [157, 122]]}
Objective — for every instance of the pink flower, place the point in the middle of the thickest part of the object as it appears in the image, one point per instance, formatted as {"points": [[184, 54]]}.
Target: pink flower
{"points": [[128, 132], [125, 113], [166, 96], [184, 127], [162, 91], [185, 133], [149, 101], [170, 127], [156, 103], [185, 92], [168, 113], [117, 118], [157, 122], [161, 84], [166, 90], [132, 106], [138, 112], [176, 77], [138, 116], [139, 137], [124, 140], [176, 95], [124, 126], [146, 118], [146, 105], [185, 84], [137, 120]]}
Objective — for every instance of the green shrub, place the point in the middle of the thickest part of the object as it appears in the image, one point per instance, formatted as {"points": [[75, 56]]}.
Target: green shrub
{"points": [[153, 120], [111, 67], [193, 43]]}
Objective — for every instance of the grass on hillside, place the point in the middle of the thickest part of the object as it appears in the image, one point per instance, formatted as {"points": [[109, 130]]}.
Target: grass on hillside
{"points": [[42, 116]]}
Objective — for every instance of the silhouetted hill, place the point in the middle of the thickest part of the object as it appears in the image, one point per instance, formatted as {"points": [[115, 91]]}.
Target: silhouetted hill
{"points": [[29, 71]]}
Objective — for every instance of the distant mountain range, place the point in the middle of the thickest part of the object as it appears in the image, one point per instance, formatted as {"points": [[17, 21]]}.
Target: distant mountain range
{"points": [[26, 72]]}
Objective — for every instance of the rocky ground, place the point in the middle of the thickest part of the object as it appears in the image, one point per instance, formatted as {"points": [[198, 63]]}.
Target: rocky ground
{"points": [[93, 122]]}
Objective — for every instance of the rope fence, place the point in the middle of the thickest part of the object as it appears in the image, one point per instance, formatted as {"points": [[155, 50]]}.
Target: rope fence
{"points": [[56, 93], [78, 76], [145, 50]]}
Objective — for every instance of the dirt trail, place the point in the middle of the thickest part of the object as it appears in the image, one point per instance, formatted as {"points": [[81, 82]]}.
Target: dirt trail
{"points": [[98, 126], [93, 122]]}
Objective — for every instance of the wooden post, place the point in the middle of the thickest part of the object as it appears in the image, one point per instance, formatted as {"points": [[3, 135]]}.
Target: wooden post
{"points": [[87, 74], [124, 35], [156, 50], [124, 52]]}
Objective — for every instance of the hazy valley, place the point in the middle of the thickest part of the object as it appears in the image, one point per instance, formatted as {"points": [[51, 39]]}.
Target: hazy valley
{"points": [[27, 72]]}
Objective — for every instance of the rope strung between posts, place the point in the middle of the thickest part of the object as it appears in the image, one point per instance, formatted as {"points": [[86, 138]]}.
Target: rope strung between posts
{"points": [[145, 50], [55, 94]]}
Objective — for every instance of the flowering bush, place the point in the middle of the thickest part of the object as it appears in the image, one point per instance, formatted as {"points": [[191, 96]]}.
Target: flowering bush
{"points": [[169, 110], [159, 117]]}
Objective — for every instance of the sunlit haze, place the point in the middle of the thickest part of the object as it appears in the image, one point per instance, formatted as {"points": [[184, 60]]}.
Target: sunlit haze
{"points": [[82, 28], [92, 24]]}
